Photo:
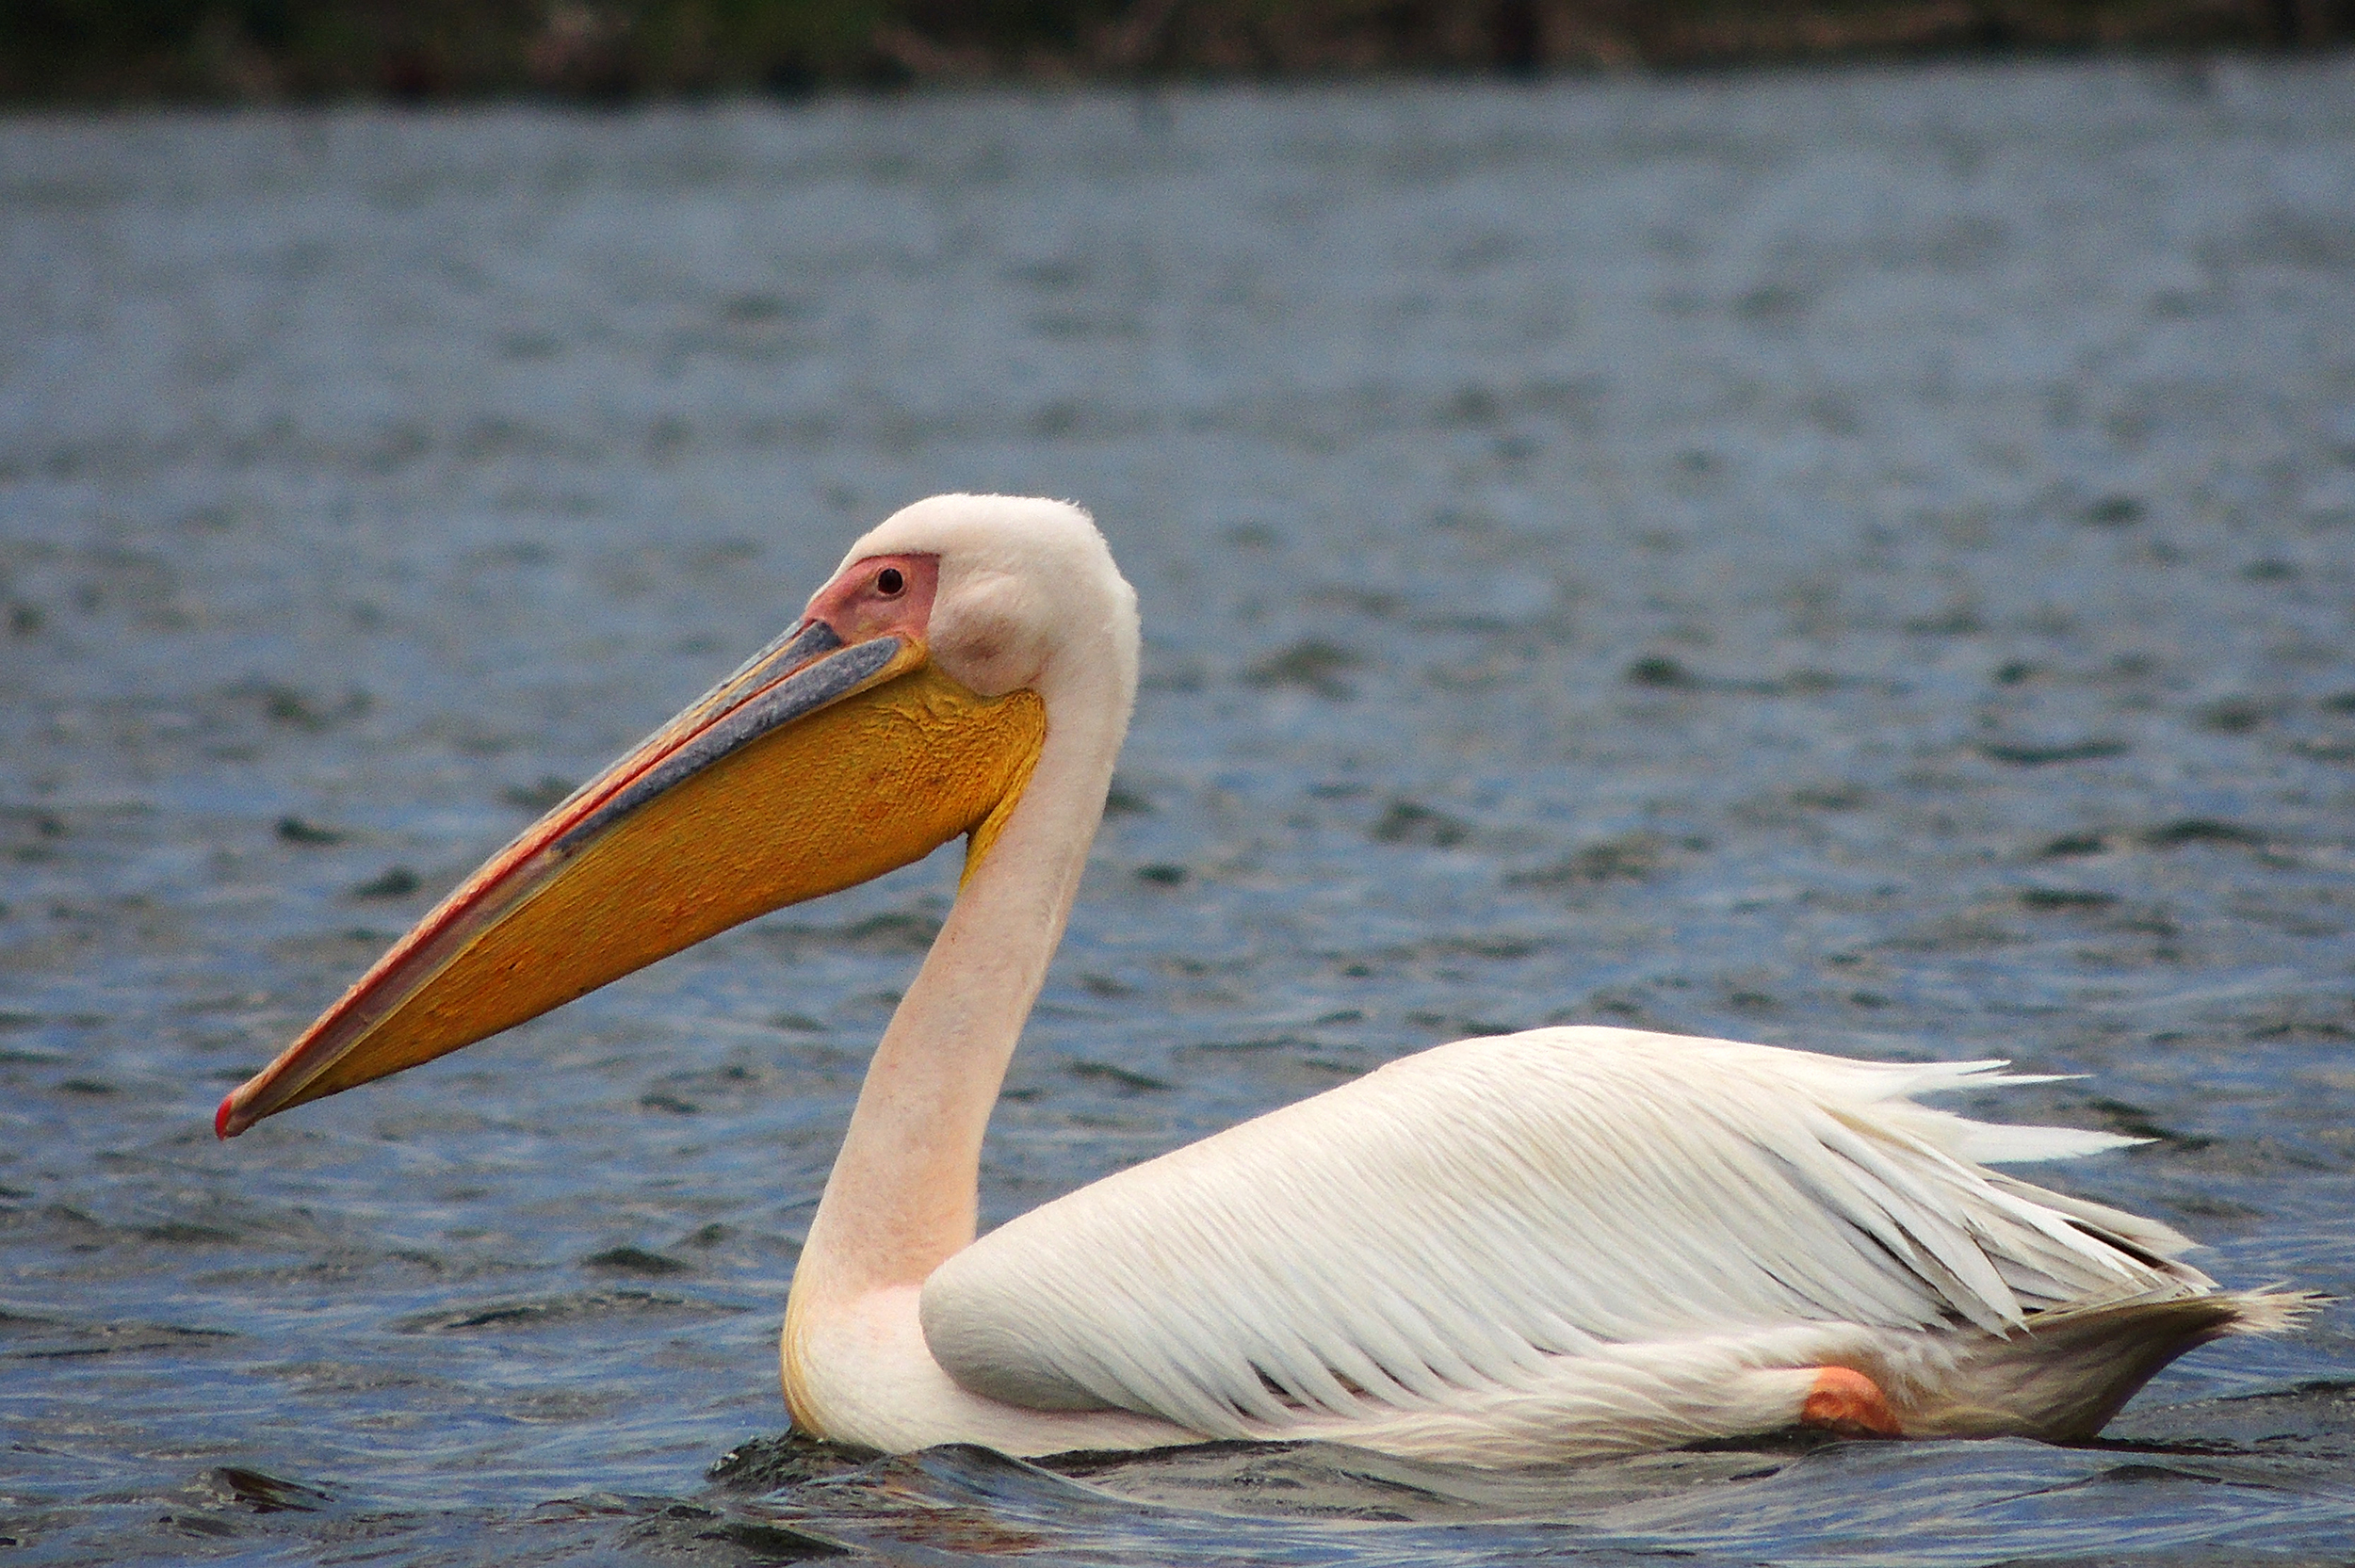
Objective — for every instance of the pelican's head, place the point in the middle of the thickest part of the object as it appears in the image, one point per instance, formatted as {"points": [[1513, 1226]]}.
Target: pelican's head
{"points": [[908, 706]]}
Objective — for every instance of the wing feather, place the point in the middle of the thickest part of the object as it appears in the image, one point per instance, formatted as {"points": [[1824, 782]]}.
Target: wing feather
{"points": [[1458, 1219]]}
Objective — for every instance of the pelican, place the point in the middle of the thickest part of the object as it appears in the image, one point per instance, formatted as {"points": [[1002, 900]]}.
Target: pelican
{"points": [[1543, 1246]]}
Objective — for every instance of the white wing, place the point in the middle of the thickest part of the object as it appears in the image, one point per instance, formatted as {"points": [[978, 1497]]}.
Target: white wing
{"points": [[1461, 1218]]}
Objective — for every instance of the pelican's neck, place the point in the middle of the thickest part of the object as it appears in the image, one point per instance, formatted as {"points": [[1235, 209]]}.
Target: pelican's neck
{"points": [[905, 1189]]}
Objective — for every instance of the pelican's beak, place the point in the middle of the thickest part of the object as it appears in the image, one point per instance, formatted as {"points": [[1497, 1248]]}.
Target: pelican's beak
{"points": [[816, 766]]}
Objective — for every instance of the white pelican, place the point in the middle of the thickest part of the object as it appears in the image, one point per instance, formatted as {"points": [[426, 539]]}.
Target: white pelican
{"points": [[1566, 1242]]}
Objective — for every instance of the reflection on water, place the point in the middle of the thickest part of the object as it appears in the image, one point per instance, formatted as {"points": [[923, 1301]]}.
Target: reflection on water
{"points": [[1852, 560]]}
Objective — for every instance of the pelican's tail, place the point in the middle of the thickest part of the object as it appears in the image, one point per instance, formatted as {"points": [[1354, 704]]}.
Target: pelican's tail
{"points": [[2064, 1374]]}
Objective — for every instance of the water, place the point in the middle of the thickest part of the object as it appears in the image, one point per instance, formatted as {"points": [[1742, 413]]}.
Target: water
{"points": [[1855, 559]]}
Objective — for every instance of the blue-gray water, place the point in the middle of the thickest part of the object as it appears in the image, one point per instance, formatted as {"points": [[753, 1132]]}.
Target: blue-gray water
{"points": [[1858, 559]]}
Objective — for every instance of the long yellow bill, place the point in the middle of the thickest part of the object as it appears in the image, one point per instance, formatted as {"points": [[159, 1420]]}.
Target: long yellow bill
{"points": [[814, 767]]}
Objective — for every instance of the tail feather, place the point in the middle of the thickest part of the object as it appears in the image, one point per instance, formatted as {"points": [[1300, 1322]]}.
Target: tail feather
{"points": [[2274, 1311], [2069, 1370]]}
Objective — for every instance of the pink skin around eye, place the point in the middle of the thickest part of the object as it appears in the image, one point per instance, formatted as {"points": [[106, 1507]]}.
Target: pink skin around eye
{"points": [[858, 608]]}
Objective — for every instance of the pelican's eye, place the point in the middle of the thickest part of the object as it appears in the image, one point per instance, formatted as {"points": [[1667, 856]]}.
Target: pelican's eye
{"points": [[888, 582]]}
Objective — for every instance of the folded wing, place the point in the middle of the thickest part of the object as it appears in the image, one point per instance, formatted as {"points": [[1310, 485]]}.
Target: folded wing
{"points": [[1454, 1222]]}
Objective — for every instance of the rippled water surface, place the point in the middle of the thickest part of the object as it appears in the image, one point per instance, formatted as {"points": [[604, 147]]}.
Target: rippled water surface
{"points": [[1862, 560]]}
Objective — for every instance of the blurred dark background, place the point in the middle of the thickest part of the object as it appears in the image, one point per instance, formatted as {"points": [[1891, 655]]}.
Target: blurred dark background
{"points": [[246, 51]]}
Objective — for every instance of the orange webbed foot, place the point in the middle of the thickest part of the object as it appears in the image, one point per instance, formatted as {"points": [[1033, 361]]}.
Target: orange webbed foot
{"points": [[1846, 1401]]}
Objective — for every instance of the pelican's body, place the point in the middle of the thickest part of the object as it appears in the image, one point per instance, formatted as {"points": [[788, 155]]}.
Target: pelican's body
{"points": [[1566, 1242]]}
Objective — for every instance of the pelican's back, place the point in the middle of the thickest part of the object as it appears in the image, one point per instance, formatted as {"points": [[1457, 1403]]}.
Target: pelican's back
{"points": [[1474, 1224]]}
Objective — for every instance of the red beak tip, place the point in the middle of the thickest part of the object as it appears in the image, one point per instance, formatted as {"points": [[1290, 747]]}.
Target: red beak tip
{"points": [[221, 1119]]}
